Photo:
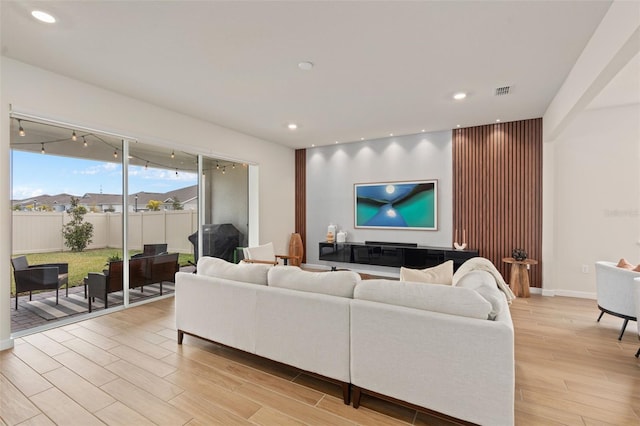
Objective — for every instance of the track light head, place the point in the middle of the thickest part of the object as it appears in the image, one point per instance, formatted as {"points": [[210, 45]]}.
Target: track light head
{"points": [[21, 131], [73, 136], [84, 142], [42, 150], [173, 154], [115, 154]]}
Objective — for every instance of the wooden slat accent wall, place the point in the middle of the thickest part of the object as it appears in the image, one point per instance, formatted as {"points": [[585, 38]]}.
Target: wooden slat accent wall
{"points": [[301, 197], [497, 187]]}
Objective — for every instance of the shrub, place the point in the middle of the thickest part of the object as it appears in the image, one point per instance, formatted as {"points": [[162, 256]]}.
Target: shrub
{"points": [[77, 233], [154, 205]]}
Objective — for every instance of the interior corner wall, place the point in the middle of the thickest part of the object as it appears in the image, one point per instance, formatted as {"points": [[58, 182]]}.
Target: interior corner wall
{"points": [[37, 92], [597, 196], [331, 172], [228, 199]]}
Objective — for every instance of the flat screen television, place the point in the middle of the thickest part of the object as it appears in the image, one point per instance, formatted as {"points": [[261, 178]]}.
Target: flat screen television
{"points": [[397, 205]]}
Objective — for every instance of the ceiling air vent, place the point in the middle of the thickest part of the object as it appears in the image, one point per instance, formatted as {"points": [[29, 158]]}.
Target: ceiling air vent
{"points": [[501, 91]]}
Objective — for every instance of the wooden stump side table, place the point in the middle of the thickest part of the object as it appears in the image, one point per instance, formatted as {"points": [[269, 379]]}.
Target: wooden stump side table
{"points": [[519, 280]]}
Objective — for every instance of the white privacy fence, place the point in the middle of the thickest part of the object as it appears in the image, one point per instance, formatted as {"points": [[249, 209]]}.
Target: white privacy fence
{"points": [[41, 232]]}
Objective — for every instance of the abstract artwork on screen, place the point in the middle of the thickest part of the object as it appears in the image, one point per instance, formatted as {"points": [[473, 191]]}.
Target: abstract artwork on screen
{"points": [[396, 205]]}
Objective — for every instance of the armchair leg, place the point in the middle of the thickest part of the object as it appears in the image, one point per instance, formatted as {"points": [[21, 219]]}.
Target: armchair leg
{"points": [[638, 353], [90, 304], [16, 300], [67, 295], [56, 296], [29, 295], [601, 314], [624, 326]]}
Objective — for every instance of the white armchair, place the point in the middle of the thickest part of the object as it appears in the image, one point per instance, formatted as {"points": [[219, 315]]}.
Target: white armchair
{"points": [[615, 292], [266, 254]]}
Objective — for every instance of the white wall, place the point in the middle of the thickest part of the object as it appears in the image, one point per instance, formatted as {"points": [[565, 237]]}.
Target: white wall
{"points": [[34, 91], [230, 200], [333, 170], [596, 196], [591, 173]]}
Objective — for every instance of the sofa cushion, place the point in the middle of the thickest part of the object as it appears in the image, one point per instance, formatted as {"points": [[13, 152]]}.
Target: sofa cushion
{"points": [[440, 274], [337, 283], [254, 273], [437, 298], [485, 284]]}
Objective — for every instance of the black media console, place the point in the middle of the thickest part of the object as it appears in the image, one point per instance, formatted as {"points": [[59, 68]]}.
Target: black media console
{"points": [[392, 254]]}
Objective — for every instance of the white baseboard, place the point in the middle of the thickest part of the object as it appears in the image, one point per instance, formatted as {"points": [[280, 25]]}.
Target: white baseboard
{"points": [[569, 293], [6, 344]]}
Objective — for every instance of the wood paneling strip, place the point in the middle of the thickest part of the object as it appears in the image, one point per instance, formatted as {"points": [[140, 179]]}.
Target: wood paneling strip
{"points": [[301, 197], [497, 189]]}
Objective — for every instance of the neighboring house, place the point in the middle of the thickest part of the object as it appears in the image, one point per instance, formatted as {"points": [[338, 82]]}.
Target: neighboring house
{"points": [[96, 202]]}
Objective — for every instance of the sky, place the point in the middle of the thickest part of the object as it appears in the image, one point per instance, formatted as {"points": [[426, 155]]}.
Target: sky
{"points": [[35, 174]]}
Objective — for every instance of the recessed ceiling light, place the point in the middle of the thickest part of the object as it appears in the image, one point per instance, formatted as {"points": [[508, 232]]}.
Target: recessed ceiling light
{"points": [[460, 95], [458, 126], [43, 16], [305, 66], [313, 145], [361, 139], [423, 130], [390, 134], [336, 141], [292, 126], [497, 120]]}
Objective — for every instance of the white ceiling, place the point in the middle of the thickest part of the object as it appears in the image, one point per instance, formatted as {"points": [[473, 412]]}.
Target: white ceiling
{"points": [[380, 67]]}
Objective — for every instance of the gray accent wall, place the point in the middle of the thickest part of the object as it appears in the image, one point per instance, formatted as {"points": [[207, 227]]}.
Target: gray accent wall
{"points": [[333, 170]]}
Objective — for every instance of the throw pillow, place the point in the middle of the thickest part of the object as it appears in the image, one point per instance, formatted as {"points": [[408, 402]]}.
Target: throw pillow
{"points": [[622, 263], [441, 274], [253, 273], [485, 284], [338, 283]]}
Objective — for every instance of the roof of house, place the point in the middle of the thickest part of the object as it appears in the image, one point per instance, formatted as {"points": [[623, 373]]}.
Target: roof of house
{"points": [[183, 195]]}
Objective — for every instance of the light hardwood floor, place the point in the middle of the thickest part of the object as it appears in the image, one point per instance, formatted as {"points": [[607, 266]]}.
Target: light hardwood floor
{"points": [[127, 369]]}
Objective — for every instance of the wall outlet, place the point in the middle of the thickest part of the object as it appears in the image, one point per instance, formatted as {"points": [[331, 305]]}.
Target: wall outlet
{"points": [[585, 269]]}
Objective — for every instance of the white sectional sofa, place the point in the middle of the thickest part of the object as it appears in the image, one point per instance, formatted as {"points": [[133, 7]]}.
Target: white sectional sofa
{"points": [[427, 345]]}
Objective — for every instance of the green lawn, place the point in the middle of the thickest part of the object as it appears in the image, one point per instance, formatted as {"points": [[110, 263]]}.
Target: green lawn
{"points": [[83, 262]]}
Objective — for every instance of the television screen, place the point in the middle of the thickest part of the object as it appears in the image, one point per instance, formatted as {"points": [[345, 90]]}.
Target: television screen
{"points": [[397, 205]]}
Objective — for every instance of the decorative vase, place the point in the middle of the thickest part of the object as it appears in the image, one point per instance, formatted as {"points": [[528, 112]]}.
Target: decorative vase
{"points": [[519, 254]]}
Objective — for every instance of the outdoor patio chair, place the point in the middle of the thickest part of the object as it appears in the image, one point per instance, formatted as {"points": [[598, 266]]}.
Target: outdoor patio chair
{"points": [[46, 276]]}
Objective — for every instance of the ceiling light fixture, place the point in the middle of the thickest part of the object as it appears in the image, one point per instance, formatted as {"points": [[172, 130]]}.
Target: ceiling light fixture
{"points": [[84, 142], [361, 139], [305, 66], [43, 16], [459, 96], [390, 134], [336, 141], [217, 166], [233, 166], [313, 145], [423, 130], [21, 130], [292, 126], [497, 120], [173, 154], [42, 150], [73, 136], [146, 166], [224, 169], [115, 154]]}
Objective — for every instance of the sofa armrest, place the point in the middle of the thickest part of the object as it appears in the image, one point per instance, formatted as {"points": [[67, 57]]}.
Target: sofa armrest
{"points": [[462, 367]]}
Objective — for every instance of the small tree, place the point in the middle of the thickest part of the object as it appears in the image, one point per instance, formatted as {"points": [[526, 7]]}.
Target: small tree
{"points": [[177, 205], [77, 233], [154, 205]]}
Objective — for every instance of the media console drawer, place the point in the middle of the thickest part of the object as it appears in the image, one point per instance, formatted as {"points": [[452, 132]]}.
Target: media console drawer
{"points": [[392, 254]]}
